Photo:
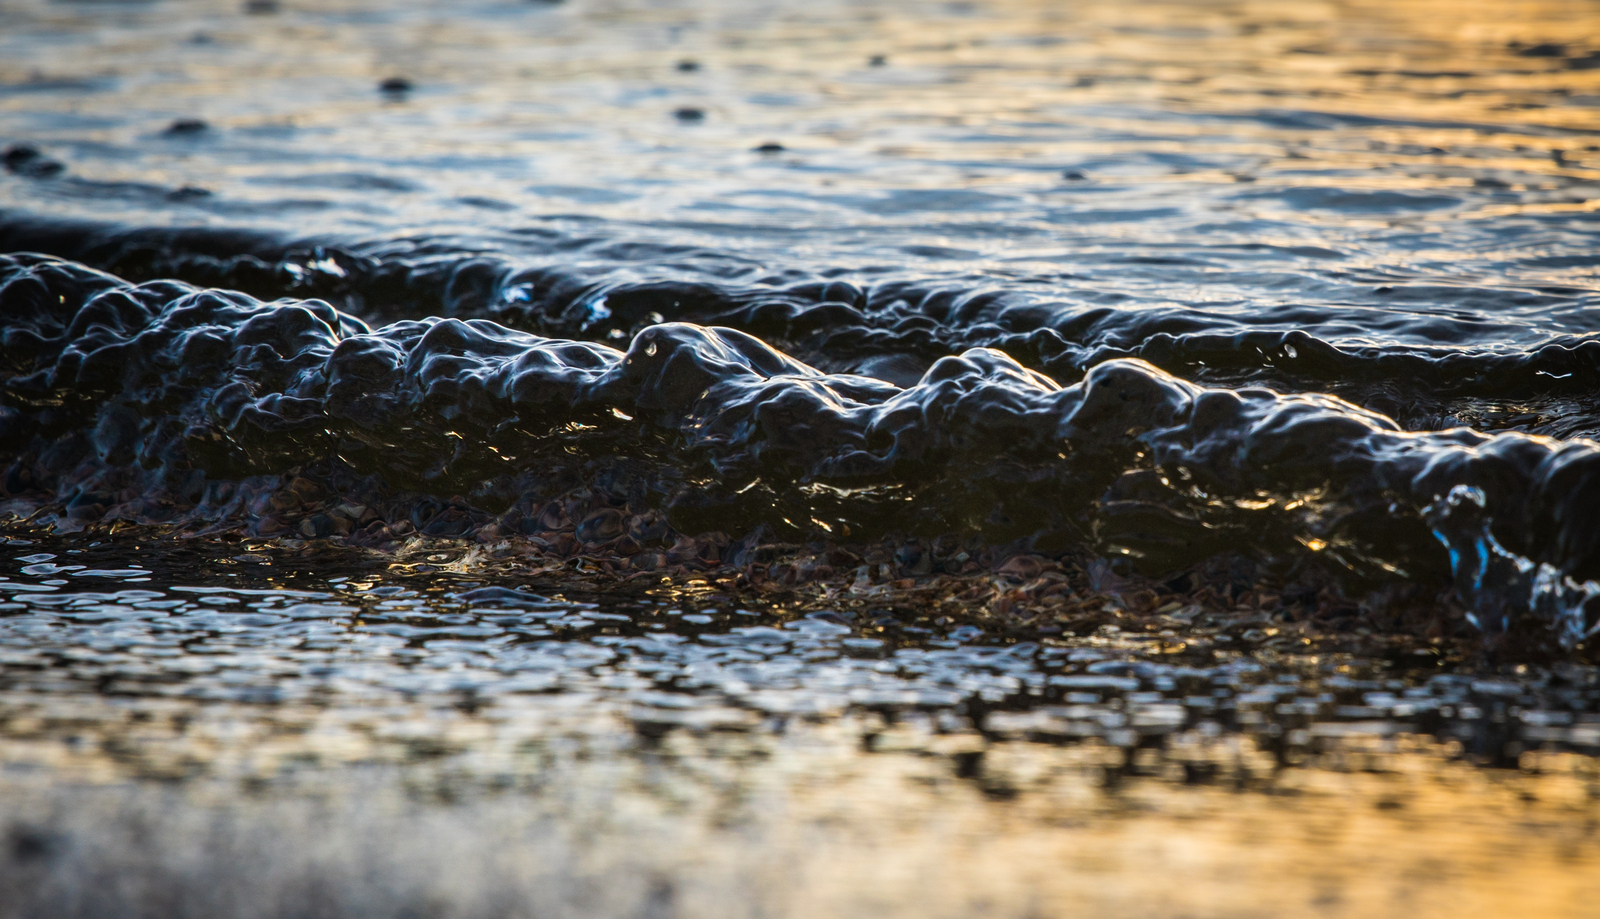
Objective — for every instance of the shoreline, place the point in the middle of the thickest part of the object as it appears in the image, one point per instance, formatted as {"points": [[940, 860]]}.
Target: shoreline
{"points": [[1005, 592]]}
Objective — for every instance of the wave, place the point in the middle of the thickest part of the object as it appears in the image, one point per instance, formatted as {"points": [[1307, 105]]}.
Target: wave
{"points": [[1429, 357], [164, 402]]}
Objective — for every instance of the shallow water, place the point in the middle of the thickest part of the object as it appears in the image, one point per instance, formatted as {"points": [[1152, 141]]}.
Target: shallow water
{"points": [[207, 626], [266, 736], [409, 408]]}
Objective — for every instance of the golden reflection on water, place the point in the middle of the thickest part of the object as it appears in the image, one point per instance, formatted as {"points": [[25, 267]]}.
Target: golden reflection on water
{"points": [[1412, 94], [741, 820]]}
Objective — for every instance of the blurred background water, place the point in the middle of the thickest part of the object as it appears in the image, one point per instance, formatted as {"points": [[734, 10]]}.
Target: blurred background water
{"points": [[1250, 163]]}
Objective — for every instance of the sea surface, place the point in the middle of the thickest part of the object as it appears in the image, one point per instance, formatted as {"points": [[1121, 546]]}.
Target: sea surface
{"points": [[666, 458]]}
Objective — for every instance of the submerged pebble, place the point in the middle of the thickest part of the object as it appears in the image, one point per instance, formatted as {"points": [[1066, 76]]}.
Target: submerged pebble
{"points": [[27, 160], [187, 127]]}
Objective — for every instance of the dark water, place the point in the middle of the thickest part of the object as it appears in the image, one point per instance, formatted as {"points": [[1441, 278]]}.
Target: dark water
{"points": [[481, 375], [1162, 283]]}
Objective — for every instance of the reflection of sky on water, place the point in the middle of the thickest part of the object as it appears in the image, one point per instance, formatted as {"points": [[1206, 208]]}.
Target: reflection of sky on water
{"points": [[678, 659], [1416, 139], [401, 740]]}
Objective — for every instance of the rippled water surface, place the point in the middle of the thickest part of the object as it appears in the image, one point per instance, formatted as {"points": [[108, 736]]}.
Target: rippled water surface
{"points": [[668, 458], [675, 749]]}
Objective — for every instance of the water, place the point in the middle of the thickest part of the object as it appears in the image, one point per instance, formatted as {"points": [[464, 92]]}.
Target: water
{"points": [[278, 732], [1372, 206], [286, 631], [769, 430]]}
